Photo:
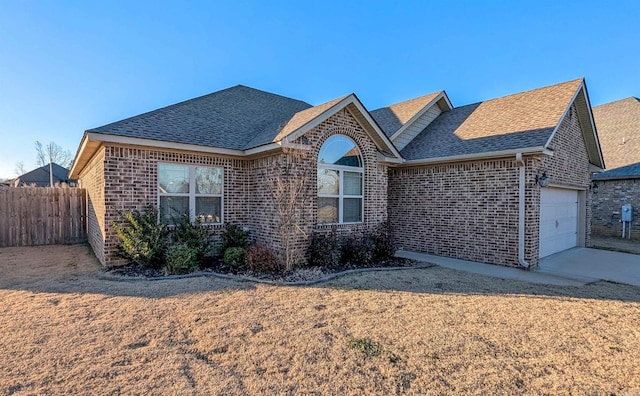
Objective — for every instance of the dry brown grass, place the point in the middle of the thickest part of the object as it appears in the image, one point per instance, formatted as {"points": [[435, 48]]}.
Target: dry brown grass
{"points": [[429, 331]]}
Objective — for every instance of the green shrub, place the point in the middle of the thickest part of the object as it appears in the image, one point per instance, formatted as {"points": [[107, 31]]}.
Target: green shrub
{"points": [[234, 236], [143, 238], [356, 249], [262, 259], [180, 259], [385, 247], [193, 234], [235, 256], [323, 250]]}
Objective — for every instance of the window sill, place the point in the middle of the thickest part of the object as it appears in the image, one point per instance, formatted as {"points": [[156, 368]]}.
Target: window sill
{"points": [[338, 225]]}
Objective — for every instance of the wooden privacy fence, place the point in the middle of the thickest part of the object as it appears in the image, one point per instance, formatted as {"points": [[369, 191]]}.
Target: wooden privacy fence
{"points": [[42, 216]]}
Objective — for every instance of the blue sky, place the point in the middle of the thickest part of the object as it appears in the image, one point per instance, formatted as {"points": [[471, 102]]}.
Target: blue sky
{"points": [[67, 66]]}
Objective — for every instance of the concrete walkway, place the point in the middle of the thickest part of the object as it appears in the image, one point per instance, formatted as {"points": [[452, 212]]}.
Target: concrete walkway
{"points": [[573, 267], [594, 263], [498, 271]]}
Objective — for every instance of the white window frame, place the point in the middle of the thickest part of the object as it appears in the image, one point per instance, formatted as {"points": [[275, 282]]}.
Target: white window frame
{"points": [[341, 196], [192, 191]]}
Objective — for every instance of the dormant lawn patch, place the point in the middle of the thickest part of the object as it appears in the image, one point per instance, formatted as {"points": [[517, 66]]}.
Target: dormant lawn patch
{"points": [[423, 331]]}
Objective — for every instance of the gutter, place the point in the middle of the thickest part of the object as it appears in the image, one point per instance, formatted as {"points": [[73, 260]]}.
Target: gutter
{"points": [[521, 212], [479, 156]]}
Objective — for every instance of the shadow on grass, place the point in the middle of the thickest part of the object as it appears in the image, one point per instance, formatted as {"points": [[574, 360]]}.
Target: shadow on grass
{"points": [[74, 269], [440, 280]]}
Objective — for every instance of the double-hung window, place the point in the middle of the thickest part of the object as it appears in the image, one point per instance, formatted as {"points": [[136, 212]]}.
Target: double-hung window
{"points": [[193, 189], [340, 182]]}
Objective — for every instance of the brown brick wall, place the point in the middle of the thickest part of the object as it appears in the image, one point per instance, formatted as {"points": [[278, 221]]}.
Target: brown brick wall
{"points": [[262, 214], [607, 203], [125, 177], [470, 210], [462, 210], [569, 166], [92, 179], [128, 180]]}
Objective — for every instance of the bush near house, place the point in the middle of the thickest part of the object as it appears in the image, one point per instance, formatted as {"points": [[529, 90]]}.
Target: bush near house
{"points": [[146, 241], [143, 239], [261, 259], [183, 247], [180, 259], [365, 249]]}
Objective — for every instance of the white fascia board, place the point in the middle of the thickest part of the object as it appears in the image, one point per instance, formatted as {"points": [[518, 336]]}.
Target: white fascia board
{"points": [[479, 156], [555, 130], [376, 128], [262, 149], [593, 125], [389, 160], [392, 160], [583, 89], [81, 148], [419, 114], [275, 146], [446, 98], [320, 118], [349, 99]]}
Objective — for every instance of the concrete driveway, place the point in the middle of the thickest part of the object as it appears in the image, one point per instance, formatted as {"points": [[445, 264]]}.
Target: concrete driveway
{"points": [[593, 263]]}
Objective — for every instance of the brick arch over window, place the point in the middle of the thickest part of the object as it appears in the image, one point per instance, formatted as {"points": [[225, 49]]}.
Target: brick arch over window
{"points": [[359, 140], [375, 172]]}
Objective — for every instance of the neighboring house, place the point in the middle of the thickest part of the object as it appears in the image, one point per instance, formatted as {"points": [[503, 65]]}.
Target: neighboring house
{"points": [[619, 131], [40, 177], [459, 182]]}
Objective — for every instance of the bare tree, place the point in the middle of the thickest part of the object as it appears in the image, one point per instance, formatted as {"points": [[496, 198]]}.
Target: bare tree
{"points": [[52, 153], [19, 169], [288, 186]]}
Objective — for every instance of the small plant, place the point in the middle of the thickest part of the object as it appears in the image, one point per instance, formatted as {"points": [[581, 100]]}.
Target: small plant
{"points": [[357, 250], [234, 236], [385, 247], [323, 250], [180, 259], [193, 234], [261, 259], [235, 256], [365, 346], [143, 238]]}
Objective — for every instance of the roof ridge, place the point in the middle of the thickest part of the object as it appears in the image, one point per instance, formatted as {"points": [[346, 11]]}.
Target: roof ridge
{"points": [[436, 93], [197, 98], [631, 98], [581, 79]]}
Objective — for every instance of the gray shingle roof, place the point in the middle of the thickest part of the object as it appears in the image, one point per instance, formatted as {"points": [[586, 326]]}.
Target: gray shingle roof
{"points": [[40, 176], [616, 121], [393, 117], [235, 118], [521, 120], [625, 172]]}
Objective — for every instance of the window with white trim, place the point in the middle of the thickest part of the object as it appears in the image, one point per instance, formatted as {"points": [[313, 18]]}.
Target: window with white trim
{"points": [[340, 181], [196, 189]]}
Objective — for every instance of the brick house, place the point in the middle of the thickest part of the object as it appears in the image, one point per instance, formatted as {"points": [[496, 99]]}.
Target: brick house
{"points": [[619, 131], [460, 182]]}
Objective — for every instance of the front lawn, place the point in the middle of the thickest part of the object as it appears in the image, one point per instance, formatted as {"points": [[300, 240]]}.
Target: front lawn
{"points": [[420, 331]]}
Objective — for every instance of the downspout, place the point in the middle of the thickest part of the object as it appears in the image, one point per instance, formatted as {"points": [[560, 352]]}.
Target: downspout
{"points": [[521, 212]]}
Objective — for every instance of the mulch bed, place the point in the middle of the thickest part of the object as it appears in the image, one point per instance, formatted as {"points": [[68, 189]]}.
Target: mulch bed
{"points": [[216, 265]]}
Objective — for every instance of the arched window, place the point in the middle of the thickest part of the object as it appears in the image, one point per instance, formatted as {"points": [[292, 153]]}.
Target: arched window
{"points": [[340, 181]]}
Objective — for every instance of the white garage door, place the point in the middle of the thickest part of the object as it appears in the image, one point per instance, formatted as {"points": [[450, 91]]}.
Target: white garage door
{"points": [[558, 220]]}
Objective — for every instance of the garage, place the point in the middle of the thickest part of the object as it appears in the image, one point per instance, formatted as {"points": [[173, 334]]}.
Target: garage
{"points": [[558, 220]]}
